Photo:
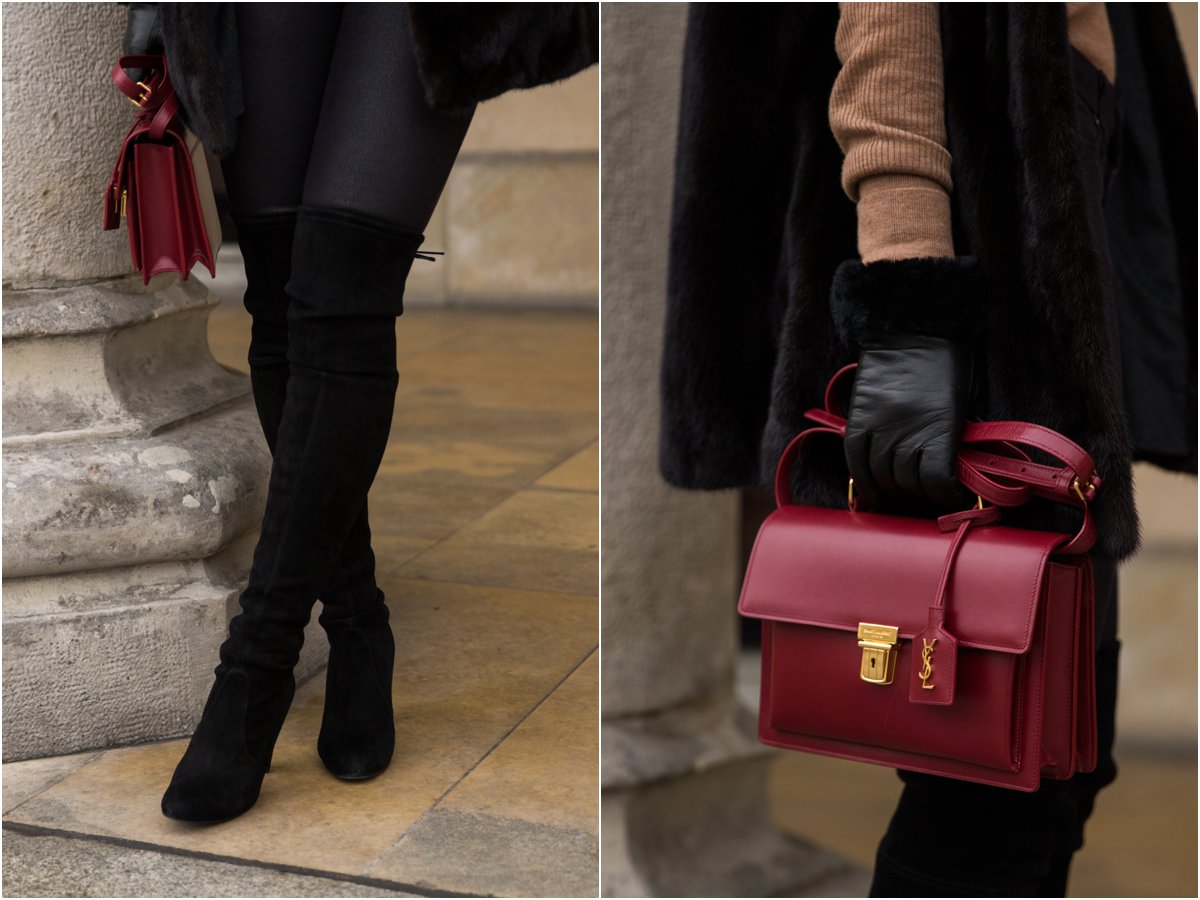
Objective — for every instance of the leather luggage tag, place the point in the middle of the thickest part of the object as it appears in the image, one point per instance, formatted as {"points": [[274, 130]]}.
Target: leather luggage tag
{"points": [[934, 658]]}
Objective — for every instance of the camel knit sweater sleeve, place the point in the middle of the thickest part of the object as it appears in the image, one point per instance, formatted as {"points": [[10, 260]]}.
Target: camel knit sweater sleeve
{"points": [[886, 112]]}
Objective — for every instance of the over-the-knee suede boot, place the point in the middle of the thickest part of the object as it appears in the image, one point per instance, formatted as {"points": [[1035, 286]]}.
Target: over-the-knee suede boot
{"points": [[340, 259], [331, 438], [357, 734], [357, 737]]}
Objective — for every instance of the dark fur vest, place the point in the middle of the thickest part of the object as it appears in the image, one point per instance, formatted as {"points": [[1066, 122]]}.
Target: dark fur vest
{"points": [[466, 53], [760, 225]]}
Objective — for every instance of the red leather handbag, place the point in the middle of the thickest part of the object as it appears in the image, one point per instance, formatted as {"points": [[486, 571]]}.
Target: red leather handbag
{"points": [[160, 181], [955, 646]]}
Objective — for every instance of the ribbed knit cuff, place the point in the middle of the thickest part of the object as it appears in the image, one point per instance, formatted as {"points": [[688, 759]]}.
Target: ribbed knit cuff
{"points": [[886, 107], [903, 217]]}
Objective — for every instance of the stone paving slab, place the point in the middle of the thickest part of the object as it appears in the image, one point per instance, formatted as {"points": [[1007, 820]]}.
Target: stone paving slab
{"points": [[529, 859], [477, 462], [507, 565], [42, 865], [547, 538], [526, 817], [539, 518], [429, 513], [30, 777], [522, 821], [472, 663], [579, 473], [423, 415], [541, 773], [486, 554]]}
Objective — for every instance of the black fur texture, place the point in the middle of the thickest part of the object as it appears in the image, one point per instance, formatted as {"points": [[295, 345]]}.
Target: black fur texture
{"points": [[201, 48], [466, 53], [935, 297], [470, 52], [761, 225]]}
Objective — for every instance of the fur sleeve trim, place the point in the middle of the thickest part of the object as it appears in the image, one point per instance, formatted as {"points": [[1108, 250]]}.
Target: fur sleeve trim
{"points": [[471, 52], [936, 297]]}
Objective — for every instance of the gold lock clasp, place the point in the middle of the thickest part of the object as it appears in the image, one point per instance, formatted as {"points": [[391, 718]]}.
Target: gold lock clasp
{"points": [[878, 643]]}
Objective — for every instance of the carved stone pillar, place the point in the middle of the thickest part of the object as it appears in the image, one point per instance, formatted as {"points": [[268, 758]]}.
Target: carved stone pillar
{"points": [[684, 782], [135, 470]]}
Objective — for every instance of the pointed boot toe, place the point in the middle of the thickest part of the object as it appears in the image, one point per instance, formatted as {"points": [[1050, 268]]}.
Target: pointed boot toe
{"points": [[358, 760], [221, 772], [210, 796], [358, 735]]}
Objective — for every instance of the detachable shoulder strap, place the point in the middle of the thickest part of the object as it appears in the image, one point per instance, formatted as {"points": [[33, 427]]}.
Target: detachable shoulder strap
{"points": [[991, 464]]}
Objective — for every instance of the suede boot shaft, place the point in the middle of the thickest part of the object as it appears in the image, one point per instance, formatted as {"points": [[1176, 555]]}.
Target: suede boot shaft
{"points": [[332, 432], [347, 288], [266, 243]]}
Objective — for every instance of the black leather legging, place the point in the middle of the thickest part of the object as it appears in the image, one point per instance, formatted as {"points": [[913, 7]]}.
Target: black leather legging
{"points": [[335, 115]]}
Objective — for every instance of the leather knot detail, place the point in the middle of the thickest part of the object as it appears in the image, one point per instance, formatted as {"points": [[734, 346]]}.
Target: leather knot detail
{"points": [[989, 515], [935, 650]]}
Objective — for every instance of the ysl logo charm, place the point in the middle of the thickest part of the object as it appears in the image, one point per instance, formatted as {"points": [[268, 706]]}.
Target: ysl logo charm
{"points": [[927, 663]]}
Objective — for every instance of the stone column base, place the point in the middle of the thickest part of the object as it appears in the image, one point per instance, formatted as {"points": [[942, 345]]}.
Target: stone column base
{"points": [[709, 834], [122, 655], [686, 813], [135, 478]]}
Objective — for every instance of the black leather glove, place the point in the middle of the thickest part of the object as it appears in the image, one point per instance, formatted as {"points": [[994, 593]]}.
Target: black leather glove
{"points": [[907, 412], [915, 325], [143, 33]]}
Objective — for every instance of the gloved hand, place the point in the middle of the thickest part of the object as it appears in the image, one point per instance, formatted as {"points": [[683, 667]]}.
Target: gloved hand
{"points": [[143, 33], [906, 416]]}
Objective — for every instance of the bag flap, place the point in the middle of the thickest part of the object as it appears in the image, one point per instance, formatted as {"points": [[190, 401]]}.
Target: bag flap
{"points": [[834, 568]]}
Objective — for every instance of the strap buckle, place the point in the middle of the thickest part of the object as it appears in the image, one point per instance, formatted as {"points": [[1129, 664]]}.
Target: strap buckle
{"points": [[145, 97], [1086, 491]]}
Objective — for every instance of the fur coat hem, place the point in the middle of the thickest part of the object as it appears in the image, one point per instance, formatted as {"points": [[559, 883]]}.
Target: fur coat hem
{"points": [[466, 53]]}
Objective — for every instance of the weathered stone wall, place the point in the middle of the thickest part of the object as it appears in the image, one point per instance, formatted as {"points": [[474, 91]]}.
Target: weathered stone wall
{"points": [[519, 219]]}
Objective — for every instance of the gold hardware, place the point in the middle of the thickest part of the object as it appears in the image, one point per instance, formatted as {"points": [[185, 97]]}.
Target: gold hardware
{"points": [[146, 92], [1075, 486], [122, 201], [927, 663], [978, 502], [878, 643]]}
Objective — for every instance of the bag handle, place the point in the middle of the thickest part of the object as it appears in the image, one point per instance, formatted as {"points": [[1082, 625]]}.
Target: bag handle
{"points": [[991, 463], [154, 95]]}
